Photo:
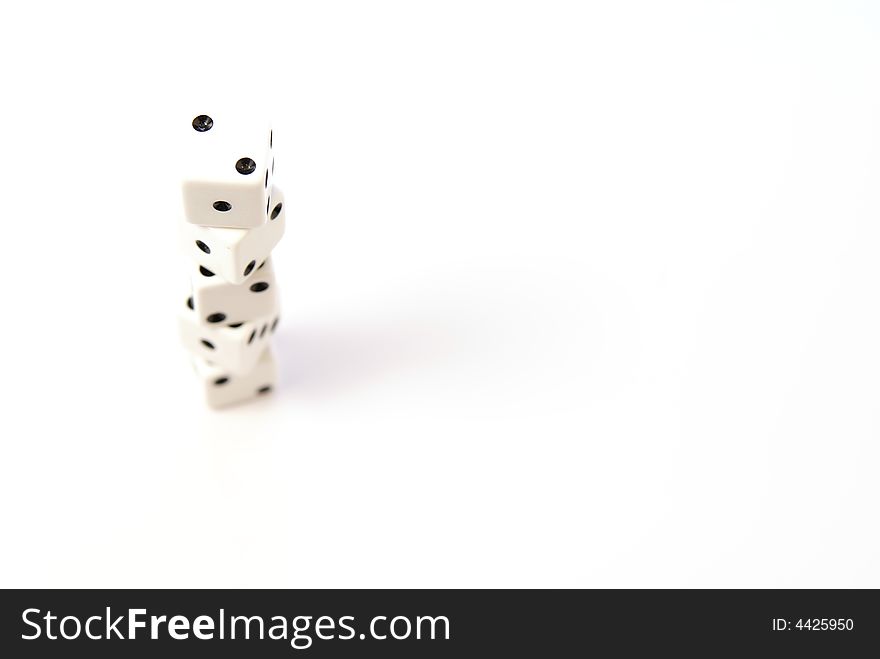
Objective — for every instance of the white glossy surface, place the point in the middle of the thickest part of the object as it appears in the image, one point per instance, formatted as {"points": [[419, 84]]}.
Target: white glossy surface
{"points": [[575, 294]]}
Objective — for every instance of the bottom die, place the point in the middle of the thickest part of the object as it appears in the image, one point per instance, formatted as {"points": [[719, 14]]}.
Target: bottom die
{"points": [[223, 388], [235, 347]]}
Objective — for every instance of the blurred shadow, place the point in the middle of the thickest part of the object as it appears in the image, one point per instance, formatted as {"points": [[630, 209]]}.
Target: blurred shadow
{"points": [[326, 361]]}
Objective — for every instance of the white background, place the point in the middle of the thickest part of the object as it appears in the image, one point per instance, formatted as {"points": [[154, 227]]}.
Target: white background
{"points": [[575, 294]]}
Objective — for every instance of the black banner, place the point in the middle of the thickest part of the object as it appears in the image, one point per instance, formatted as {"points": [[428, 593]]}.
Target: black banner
{"points": [[445, 623]]}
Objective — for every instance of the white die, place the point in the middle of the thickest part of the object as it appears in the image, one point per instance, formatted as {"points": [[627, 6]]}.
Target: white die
{"points": [[233, 347], [234, 254], [227, 171], [217, 302], [222, 387]]}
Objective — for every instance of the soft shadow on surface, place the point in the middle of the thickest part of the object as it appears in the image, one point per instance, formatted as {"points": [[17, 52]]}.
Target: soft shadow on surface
{"points": [[319, 361]]}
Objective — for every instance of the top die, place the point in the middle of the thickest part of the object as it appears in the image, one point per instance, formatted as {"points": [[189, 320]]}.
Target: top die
{"points": [[227, 177]]}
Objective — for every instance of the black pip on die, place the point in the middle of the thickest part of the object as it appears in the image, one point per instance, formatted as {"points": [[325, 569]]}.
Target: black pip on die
{"points": [[234, 215]]}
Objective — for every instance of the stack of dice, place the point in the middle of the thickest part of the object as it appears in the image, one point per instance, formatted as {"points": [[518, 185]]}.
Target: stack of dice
{"points": [[233, 218]]}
